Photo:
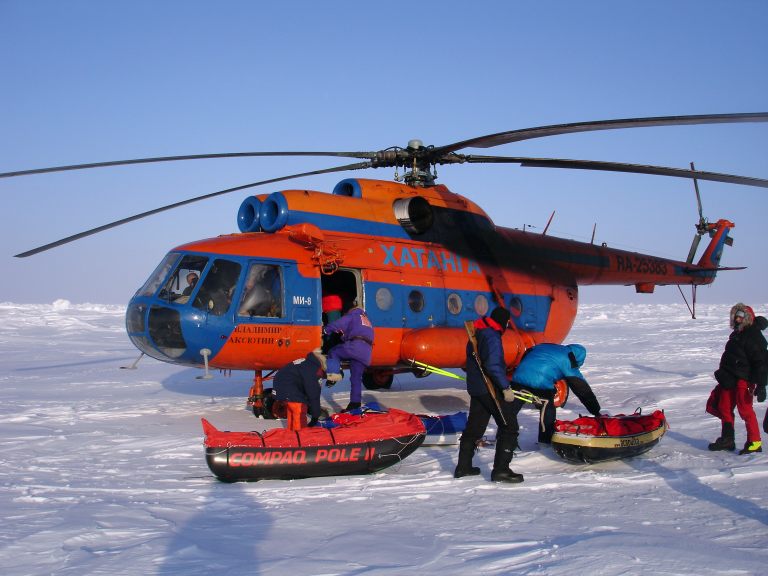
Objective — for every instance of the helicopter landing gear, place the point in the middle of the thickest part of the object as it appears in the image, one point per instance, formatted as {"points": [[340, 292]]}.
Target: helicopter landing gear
{"points": [[257, 400], [378, 380]]}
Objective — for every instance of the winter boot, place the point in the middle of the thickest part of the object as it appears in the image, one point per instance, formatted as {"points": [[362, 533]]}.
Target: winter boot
{"points": [[505, 446], [351, 406], [507, 476], [751, 447], [464, 467], [726, 440]]}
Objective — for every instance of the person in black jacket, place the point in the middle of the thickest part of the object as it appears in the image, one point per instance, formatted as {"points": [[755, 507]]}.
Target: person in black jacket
{"points": [[298, 385], [743, 373], [488, 332]]}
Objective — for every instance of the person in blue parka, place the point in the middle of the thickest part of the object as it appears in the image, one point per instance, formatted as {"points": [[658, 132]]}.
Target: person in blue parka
{"points": [[541, 367]]}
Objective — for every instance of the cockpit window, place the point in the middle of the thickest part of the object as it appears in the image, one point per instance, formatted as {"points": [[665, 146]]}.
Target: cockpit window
{"points": [[215, 295], [179, 286], [157, 277], [263, 292]]}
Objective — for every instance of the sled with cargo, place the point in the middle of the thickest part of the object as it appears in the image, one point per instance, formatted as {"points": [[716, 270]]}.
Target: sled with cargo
{"points": [[367, 444], [441, 429], [590, 439]]}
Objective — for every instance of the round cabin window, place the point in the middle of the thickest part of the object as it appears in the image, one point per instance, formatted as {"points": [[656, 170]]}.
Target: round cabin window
{"points": [[481, 305], [384, 298], [416, 301], [454, 303]]}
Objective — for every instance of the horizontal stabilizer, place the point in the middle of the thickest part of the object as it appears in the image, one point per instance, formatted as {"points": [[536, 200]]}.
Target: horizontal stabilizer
{"points": [[713, 269]]}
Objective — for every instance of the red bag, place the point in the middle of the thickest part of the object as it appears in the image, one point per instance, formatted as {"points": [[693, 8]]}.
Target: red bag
{"points": [[713, 402]]}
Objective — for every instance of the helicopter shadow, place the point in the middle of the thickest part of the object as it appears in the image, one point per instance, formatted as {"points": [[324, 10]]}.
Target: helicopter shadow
{"points": [[110, 360], [650, 370], [187, 382], [688, 484], [682, 480], [214, 533]]}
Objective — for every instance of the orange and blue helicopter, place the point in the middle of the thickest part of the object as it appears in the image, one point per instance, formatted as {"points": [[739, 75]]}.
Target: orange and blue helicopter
{"points": [[420, 259]]}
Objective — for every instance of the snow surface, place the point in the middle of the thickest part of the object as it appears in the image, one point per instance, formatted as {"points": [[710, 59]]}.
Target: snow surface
{"points": [[103, 470]]}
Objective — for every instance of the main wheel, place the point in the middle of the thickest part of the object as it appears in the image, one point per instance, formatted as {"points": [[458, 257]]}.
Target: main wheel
{"points": [[378, 380], [269, 403]]}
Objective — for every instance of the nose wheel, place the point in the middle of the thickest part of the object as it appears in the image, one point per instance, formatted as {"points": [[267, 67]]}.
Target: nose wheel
{"points": [[259, 400]]}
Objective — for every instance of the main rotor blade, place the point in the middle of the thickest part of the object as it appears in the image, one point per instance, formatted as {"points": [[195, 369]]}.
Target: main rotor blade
{"points": [[68, 239], [617, 167], [178, 158], [541, 131]]}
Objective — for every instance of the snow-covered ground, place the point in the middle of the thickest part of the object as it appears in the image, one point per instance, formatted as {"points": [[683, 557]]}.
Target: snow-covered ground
{"points": [[102, 470]]}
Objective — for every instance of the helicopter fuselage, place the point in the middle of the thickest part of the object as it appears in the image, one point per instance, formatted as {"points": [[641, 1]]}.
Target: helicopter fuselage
{"points": [[420, 261]]}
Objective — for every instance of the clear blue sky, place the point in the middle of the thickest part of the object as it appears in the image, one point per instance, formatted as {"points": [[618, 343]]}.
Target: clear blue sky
{"points": [[87, 81]]}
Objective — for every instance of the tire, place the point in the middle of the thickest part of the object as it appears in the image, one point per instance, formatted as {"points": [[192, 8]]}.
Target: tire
{"points": [[561, 394], [266, 411], [378, 380]]}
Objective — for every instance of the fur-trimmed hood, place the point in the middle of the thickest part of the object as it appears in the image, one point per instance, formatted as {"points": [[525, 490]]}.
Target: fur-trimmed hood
{"points": [[321, 358], [749, 316]]}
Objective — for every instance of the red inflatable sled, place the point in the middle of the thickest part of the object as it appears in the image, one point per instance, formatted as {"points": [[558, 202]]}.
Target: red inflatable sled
{"points": [[589, 439], [367, 444]]}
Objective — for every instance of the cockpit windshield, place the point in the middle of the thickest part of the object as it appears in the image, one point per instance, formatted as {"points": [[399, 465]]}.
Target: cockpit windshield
{"points": [[180, 285], [215, 295], [154, 281], [263, 292], [210, 284]]}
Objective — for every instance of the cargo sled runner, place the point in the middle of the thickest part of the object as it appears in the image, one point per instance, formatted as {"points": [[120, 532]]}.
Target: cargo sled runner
{"points": [[590, 439], [370, 444]]}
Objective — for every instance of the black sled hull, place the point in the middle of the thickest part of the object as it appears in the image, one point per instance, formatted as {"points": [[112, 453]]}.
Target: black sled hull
{"points": [[593, 449], [235, 463]]}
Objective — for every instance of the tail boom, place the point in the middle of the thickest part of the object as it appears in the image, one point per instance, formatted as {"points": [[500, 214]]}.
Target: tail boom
{"points": [[591, 264]]}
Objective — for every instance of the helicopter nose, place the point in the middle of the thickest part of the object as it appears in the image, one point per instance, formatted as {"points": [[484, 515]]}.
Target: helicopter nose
{"points": [[181, 335], [156, 331]]}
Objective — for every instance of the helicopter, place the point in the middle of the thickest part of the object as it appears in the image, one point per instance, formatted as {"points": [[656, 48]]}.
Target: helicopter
{"points": [[420, 259]]}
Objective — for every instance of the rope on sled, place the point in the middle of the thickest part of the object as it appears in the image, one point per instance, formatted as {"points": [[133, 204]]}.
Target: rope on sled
{"points": [[404, 445]]}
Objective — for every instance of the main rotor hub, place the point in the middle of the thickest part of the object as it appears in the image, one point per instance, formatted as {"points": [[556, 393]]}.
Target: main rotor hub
{"points": [[420, 164]]}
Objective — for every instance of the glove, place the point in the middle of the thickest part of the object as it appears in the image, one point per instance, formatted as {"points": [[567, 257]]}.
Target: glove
{"points": [[313, 422], [760, 393], [509, 394], [332, 378]]}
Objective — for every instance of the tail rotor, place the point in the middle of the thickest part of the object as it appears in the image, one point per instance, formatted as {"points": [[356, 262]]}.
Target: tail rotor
{"points": [[702, 226]]}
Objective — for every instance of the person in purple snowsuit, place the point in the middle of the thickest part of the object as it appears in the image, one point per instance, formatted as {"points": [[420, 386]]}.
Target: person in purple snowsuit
{"points": [[356, 347]]}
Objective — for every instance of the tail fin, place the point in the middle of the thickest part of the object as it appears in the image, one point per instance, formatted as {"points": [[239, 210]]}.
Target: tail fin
{"points": [[714, 251]]}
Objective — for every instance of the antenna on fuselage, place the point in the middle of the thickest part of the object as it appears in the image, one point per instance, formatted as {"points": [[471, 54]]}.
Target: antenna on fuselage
{"points": [[548, 223]]}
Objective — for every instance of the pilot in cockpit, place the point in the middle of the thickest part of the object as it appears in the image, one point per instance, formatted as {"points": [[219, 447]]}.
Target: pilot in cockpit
{"points": [[192, 279]]}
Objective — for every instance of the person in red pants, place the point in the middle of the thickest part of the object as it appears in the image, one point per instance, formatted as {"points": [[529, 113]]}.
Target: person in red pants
{"points": [[742, 374]]}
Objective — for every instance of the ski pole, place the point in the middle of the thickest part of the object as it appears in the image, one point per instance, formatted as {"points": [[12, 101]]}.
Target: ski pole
{"points": [[435, 370], [523, 395]]}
